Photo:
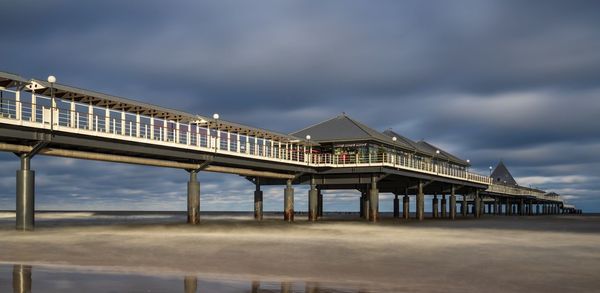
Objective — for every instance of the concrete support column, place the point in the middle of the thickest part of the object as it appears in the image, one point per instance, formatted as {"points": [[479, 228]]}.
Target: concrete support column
{"points": [[521, 207], [319, 203], [496, 206], [258, 201], [529, 209], [537, 208], [193, 200], [373, 200], [477, 204], [452, 204], [313, 195], [405, 206], [288, 202], [362, 204], [396, 206], [444, 207], [464, 207], [434, 207], [420, 213], [508, 207], [25, 208], [365, 202]]}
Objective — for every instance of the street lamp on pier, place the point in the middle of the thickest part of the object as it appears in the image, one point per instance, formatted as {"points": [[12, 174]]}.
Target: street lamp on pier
{"points": [[309, 148], [51, 80], [217, 137]]}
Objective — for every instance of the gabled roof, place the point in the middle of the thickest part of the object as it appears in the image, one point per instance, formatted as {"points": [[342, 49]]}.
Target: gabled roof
{"points": [[444, 155], [501, 175], [345, 129]]}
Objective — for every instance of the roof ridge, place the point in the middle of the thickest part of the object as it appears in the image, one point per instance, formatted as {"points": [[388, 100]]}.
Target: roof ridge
{"points": [[358, 124], [315, 124]]}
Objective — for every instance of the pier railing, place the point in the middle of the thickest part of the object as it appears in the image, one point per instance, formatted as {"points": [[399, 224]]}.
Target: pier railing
{"points": [[72, 117]]}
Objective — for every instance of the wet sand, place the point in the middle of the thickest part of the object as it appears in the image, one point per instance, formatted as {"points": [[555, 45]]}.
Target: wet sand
{"points": [[494, 254]]}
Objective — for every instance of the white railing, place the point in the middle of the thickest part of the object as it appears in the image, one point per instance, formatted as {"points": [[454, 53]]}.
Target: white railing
{"points": [[396, 161], [104, 122]]}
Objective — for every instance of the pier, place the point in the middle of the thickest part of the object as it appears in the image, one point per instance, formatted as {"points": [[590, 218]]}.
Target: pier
{"points": [[43, 117]]}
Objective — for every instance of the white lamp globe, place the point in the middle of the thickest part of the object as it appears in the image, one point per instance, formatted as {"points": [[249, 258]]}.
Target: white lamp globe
{"points": [[394, 138], [51, 79], [216, 116], [437, 152], [308, 137]]}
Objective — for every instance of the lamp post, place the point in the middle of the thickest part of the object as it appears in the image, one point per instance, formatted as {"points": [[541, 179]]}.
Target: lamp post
{"points": [[217, 137], [467, 168], [309, 147], [51, 80], [491, 170], [437, 152], [394, 139]]}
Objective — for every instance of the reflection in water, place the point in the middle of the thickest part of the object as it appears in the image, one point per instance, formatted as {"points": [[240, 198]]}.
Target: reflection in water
{"points": [[190, 284], [286, 287], [21, 278], [75, 280]]}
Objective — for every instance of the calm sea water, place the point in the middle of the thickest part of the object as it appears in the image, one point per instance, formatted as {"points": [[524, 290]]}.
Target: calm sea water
{"points": [[49, 279], [26, 278]]}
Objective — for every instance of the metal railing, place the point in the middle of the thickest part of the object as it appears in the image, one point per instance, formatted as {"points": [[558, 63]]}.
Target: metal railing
{"points": [[117, 124]]}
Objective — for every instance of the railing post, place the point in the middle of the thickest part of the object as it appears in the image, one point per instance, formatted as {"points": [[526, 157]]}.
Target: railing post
{"points": [[18, 106], [107, 119], [33, 107], [74, 121], [137, 125], [91, 117]]}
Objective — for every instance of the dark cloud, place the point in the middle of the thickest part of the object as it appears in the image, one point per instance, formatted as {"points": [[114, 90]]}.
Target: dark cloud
{"points": [[488, 80]]}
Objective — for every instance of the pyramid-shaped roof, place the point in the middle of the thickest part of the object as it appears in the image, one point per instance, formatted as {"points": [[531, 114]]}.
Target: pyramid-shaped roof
{"points": [[501, 175], [345, 129], [444, 155]]}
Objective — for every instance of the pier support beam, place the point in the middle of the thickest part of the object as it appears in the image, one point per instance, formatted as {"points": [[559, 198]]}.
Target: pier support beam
{"points": [[396, 206], [193, 199], [373, 200], [25, 195], [362, 204], [319, 203], [420, 214], [365, 204], [477, 204], [405, 206], [521, 207], [258, 201], [434, 207], [452, 204], [464, 207], [288, 202], [496, 206], [444, 207], [313, 195]]}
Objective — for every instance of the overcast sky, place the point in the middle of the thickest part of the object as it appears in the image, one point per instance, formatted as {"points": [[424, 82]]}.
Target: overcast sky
{"points": [[487, 80]]}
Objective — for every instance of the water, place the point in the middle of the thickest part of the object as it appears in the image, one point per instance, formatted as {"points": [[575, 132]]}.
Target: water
{"points": [[49, 279]]}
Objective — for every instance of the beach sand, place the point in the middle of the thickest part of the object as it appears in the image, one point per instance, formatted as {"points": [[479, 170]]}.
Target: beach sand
{"points": [[493, 254]]}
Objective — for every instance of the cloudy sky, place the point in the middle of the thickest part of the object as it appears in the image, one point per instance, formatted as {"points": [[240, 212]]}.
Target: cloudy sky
{"points": [[487, 80]]}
